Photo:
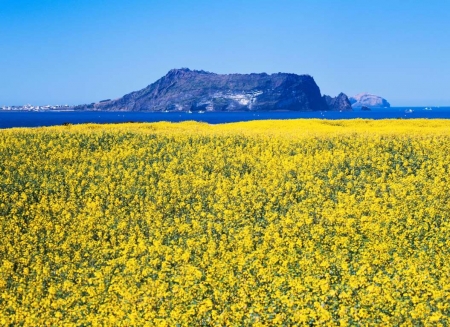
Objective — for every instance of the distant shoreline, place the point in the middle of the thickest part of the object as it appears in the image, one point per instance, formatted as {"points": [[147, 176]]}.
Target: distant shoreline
{"points": [[234, 111]]}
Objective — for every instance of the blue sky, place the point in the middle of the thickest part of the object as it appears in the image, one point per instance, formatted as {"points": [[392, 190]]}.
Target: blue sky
{"points": [[80, 51]]}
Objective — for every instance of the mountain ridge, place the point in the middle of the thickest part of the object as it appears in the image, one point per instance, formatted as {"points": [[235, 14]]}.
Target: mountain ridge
{"points": [[198, 90]]}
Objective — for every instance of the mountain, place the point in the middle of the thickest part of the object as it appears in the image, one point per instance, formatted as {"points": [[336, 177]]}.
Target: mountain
{"points": [[193, 90], [368, 100], [340, 103]]}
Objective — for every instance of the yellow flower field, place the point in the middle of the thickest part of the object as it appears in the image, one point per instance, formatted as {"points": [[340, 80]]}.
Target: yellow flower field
{"points": [[267, 223]]}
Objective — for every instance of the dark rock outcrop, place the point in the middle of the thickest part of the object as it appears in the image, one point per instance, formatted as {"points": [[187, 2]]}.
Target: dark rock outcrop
{"points": [[369, 101], [339, 103], [190, 90]]}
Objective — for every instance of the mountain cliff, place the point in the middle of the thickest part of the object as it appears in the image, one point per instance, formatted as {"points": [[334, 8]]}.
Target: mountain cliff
{"points": [[369, 101], [192, 90], [341, 102]]}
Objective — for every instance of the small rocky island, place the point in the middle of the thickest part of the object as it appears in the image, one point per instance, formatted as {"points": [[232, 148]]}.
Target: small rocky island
{"points": [[367, 100], [201, 91]]}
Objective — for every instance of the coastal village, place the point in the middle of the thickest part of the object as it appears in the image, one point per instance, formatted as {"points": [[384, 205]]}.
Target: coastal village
{"points": [[29, 107]]}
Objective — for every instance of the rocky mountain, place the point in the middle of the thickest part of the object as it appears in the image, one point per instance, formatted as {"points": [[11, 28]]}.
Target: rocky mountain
{"points": [[192, 90], [369, 101], [341, 102]]}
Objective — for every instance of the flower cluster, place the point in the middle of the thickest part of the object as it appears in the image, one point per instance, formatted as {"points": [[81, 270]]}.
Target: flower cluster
{"points": [[301, 222]]}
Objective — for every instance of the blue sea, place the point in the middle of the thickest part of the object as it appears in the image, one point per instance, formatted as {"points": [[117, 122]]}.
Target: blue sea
{"points": [[10, 119]]}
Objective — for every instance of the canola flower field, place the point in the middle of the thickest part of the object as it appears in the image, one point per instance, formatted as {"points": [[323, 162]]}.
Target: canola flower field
{"points": [[267, 223]]}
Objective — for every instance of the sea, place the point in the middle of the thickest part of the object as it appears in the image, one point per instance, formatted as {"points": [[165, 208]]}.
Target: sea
{"points": [[10, 119]]}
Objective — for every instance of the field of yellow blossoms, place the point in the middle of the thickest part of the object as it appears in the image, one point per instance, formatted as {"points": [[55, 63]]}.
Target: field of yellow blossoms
{"points": [[269, 223]]}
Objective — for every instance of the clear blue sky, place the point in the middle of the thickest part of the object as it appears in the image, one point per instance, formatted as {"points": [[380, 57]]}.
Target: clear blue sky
{"points": [[81, 51]]}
